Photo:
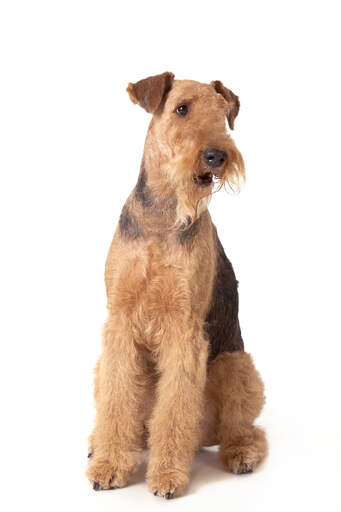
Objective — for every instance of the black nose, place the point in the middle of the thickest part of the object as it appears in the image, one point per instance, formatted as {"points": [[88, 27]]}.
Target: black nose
{"points": [[214, 157]]}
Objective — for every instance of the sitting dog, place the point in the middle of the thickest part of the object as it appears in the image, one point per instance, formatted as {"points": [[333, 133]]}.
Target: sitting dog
{"points": [[173, 374]]}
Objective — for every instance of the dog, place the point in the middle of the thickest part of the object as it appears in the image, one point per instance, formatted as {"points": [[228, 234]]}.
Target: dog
{"points": [[173, 374]]}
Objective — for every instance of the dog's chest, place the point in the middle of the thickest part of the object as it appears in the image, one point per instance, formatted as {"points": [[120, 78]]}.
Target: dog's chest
{"points": [[156, 287]]}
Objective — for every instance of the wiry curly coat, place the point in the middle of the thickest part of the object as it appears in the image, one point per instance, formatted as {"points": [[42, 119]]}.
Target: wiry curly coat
{"points": [[173, 372]]}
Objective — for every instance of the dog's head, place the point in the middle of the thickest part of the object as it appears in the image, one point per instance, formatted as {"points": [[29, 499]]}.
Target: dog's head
{"points": [[188, 134]]}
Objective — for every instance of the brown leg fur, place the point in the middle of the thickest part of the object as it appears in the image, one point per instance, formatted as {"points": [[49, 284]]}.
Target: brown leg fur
{"points": [[121, 388], [235, 386], [174, 425]]}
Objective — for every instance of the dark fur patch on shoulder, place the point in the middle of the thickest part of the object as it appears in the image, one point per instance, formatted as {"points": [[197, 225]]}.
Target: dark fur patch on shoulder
{"points": [[222, 324], [186, 236], [142, 191], [129, 226]]}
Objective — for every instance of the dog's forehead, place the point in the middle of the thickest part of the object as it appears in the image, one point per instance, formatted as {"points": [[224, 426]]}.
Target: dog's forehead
{"points": [[185, 90]]}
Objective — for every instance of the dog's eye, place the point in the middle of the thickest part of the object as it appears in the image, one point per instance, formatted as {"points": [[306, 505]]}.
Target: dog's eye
{"points": [[181, 110]]}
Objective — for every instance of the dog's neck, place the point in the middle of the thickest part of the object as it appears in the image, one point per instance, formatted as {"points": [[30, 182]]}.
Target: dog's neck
{"points": [[155, 202], [165, 205]]}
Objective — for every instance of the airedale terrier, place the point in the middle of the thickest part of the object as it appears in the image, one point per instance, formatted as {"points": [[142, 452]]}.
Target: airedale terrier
{"points": [[173, 374]]}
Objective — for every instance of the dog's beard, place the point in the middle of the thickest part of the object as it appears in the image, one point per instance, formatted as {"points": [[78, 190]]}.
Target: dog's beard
{"points": [[229, 177], [195, 183]]}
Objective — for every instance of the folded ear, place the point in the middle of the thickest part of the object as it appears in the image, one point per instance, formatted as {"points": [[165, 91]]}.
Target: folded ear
{"points": [[149, 92], [231, 99]]}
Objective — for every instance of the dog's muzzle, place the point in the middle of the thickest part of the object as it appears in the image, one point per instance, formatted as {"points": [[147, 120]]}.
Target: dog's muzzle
{"points": [[212, 160]]}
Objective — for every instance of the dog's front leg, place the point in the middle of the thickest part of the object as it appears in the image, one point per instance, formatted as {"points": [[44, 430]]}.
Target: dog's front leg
{"points": [[121, 390], [174, 425]]}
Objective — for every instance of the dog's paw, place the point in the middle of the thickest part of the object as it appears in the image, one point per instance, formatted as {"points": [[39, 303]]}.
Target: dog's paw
{"points": [[241, 465], [105, 474], [244, 454], [167, 483]]}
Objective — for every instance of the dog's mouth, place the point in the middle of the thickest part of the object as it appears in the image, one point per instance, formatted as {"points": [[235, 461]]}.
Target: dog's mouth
{"points": [[203, 179]]}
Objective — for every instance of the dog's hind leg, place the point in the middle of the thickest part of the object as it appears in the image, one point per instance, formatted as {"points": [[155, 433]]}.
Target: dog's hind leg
{"points": [[121, 388], [237, 391]]}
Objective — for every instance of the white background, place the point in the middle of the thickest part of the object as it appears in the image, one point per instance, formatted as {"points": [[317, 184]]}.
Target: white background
{"points": [[71, 144]]}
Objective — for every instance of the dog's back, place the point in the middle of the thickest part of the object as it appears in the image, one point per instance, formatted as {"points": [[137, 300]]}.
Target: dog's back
{"points": [[222, 324]]}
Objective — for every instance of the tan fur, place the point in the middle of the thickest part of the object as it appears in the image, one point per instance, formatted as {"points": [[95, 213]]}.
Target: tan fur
{"points": [[236, 389], [176, 145], [152, 382]]}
